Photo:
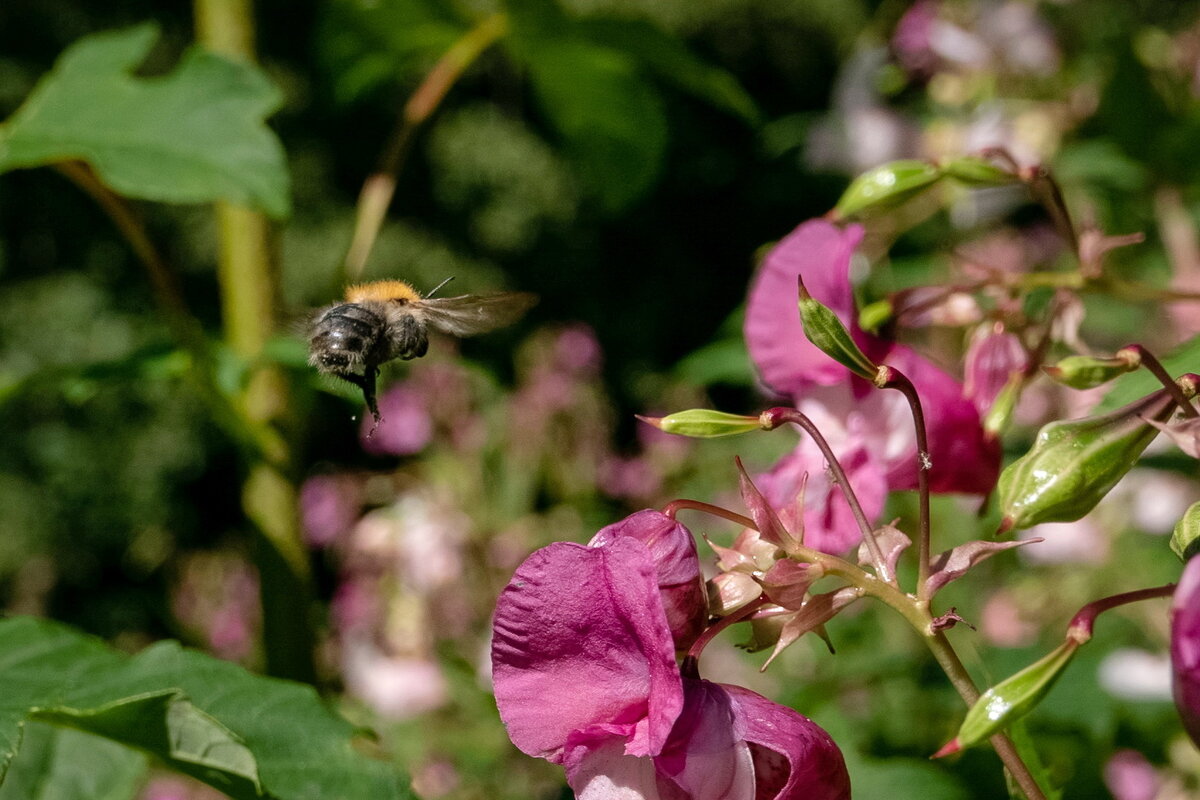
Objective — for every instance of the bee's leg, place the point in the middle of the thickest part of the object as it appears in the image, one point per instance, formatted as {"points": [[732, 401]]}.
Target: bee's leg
{"points": [[366, 383]]}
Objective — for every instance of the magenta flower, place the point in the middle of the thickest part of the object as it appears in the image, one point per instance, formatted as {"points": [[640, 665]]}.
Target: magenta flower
{"points": [[870, 429], [585, 676], [1185, 647]]}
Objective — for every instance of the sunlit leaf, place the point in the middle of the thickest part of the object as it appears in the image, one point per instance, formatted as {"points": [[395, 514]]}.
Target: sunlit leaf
{"points": [[62, 764], [194, 135], [245, 735]]}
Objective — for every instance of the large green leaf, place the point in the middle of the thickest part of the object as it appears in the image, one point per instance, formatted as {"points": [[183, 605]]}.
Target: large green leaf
{"points": [[195, 135], [245, 735], [63, 764]]}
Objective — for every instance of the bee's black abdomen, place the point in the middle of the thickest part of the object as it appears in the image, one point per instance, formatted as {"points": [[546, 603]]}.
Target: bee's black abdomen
{"points": [[344, 336]]}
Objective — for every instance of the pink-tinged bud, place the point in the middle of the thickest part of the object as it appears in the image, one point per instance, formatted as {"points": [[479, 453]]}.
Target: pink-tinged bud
{"points": [[787, 582], [1185, 648], [1185, 433], [679, 580], [993, 355], [730, 592]]}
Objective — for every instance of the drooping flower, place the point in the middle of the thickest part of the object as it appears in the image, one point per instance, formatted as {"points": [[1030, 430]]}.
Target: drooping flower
{"points": [[1185, 647], [585, 676], [870, 429]]}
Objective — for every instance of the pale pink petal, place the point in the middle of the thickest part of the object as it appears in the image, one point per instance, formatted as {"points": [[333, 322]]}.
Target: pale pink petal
{"points": [[963, 459], [600, 770], [829, 525], [581, 645], [794, 759], [705, 756], [821, 252], [1185, 647], [678, 565]]}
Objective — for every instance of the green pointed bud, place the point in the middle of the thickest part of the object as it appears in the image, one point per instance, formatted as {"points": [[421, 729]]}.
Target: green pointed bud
{"points": [[1011, 699], [1072, 465], [1185, 541], [823, 328], [703, 423], [886, 186], [1000, 414], [977, 171], [875, 315], [1085, 372]]}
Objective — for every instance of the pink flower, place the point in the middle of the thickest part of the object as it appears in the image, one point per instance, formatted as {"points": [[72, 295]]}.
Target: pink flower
{"points": [[1185, 647], [406, 427], [871, 430], [585, 676]]}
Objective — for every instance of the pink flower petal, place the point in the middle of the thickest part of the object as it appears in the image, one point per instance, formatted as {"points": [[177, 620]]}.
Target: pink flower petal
{"points": [[829, 525], [581, 645], [821, 252], [993, 355], [705, 755], [601, 771], [794, 759], [679, 578], [963, 458], [1185, 647]]}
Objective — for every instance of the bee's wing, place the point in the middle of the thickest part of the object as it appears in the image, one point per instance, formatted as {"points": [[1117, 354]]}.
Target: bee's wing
{"points": [[470, 314]]}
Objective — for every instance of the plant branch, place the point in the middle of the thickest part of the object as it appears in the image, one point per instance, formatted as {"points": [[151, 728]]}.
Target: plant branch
{"points": [[379, 188], [894, 379], [1156, 368]]}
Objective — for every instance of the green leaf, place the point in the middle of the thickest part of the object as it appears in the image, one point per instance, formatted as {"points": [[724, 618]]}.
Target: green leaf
{"points": [[62, 764], [887, 186], [245, 735], [369, 44], [611, 120], [671, 61], [192, 136]]}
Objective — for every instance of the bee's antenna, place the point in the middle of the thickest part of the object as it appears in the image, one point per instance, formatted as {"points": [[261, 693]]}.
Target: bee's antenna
{"points": [[440, 285]]}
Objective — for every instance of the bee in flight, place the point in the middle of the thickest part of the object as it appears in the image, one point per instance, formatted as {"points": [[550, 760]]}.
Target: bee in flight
{"points": [[385, 320]]}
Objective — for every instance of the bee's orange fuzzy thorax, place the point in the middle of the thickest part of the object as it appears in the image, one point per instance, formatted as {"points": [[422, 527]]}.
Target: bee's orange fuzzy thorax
{"points": [[381, 290]]}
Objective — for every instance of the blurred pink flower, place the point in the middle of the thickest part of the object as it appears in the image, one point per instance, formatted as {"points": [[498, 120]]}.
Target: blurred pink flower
{"points": [[578, 350], [217, 599], [329, 505], [1129, 776], [406, 427], [872, 427], [1185, 647], [397, 687], [585, 676], [993, 355]]}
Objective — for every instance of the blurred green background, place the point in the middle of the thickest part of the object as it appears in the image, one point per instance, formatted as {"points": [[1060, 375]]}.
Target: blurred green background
{"points": [[625, 160]]}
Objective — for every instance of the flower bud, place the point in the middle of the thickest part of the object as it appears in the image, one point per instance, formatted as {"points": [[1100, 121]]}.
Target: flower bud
{"points": [[827, 333], [1085, 372], [1185, 540], [1072, 465], [976, 171], [1011, 699], [703, 423], [730, 592], [886, 186]]}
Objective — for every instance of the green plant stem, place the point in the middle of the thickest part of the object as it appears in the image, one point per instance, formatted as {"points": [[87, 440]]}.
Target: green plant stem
{"points": [[897, 380], [248, 284], [379, 188], [1080, 628]]}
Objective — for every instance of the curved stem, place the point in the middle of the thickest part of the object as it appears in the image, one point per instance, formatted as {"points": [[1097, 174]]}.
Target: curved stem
{"points": [[380, 186], [673, 508], [1159, 371], [897, 380], [1084, 620], [690, 668], [773, 418]]}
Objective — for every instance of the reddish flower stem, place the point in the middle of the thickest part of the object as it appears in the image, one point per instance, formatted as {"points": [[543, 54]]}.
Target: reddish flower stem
{"points": [[775, 417], [672, 508], [1159, 371], [894, 379], [690, 668], [1084, 620]]}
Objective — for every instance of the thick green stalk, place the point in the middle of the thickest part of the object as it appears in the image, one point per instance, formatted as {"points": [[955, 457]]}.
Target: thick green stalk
{"points": [[248, 285]]}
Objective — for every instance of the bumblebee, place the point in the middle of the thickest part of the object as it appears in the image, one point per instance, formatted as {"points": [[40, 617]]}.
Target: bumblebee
{"points": [[386, 320]]}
